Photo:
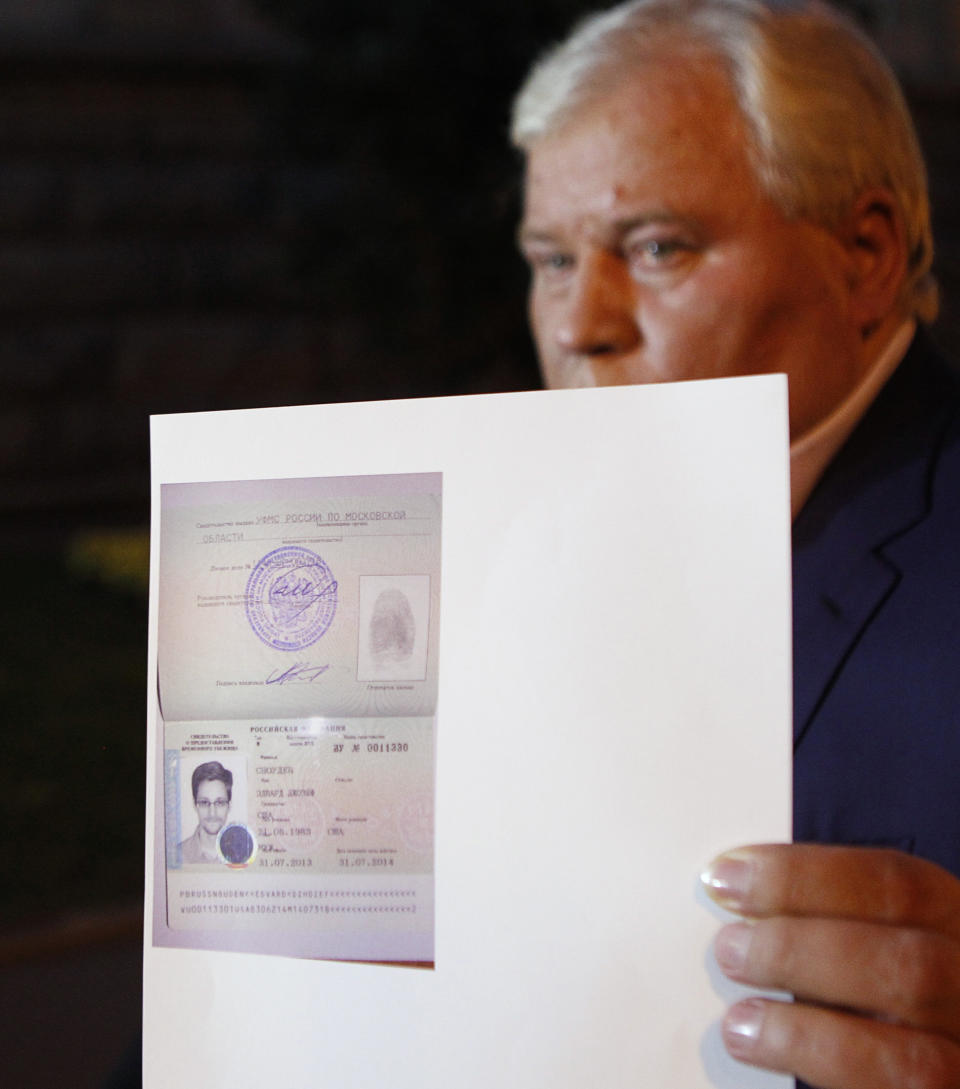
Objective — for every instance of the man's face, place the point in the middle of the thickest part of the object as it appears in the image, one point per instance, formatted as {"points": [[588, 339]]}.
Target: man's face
{"points": [[657, 257], [212, 805]]}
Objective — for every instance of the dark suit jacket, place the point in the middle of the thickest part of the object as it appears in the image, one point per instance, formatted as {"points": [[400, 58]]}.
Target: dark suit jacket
{"points": [[877, 626]]}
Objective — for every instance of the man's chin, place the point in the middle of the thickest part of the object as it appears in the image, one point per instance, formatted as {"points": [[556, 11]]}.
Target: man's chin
{"points": [[569, 374]]}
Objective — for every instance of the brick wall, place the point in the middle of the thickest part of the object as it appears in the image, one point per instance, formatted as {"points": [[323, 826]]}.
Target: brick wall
{"points": [[150, 241]]}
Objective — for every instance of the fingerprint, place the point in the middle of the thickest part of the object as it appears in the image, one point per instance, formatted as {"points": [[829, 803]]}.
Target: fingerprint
{"points": [[392, 628]]}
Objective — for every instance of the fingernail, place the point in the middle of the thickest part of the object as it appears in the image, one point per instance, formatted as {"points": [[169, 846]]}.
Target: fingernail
{"points": [[728, 879], [731, 947], [741, 1027]]}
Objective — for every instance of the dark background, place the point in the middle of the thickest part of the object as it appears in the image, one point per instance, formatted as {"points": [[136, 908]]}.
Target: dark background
{"points": [[210, 204]]}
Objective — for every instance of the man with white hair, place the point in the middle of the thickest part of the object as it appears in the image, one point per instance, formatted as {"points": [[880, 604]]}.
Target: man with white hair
{"points": [[727, 187]]}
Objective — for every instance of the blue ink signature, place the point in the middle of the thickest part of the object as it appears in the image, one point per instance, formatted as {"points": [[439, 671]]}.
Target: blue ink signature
{"points": [[298, 673]]}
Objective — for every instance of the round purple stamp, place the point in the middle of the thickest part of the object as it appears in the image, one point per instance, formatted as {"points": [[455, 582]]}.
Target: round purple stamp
{"points": [[291, 598]]}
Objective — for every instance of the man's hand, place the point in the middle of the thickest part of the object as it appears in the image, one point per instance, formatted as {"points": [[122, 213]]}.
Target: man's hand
{"points": [[868, 941]]}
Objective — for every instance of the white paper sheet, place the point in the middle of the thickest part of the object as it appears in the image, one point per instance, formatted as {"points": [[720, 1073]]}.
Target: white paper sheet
{"points": [[613, 710]]}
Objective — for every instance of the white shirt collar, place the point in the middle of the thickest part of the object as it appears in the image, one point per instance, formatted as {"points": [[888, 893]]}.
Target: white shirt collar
{"points": [[813, 451]]}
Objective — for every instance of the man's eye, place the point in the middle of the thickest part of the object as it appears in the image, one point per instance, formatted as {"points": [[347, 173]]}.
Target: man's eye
{"points": [[657, 252], [553, 263]]}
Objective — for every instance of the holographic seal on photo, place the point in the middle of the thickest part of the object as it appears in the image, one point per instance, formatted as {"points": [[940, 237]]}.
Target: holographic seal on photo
{"points": [[236, 845], [291, 598]]}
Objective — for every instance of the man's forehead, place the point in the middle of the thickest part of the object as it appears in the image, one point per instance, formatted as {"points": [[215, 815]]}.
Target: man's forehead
{"points": [[212, 786], [627, 154]]}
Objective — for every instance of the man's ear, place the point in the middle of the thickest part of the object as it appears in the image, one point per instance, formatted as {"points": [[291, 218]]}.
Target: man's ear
{"points": [[876, 242]]}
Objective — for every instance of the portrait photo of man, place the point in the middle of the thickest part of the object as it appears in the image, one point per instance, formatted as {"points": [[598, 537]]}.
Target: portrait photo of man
{"points": [[212, 786]]}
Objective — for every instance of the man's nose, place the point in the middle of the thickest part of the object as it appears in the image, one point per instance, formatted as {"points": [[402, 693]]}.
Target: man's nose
{"points": [[600, 317]]}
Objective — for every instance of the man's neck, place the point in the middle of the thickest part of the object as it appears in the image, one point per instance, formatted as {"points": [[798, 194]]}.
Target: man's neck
{"points": [[812, 452], [208, 843]]}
